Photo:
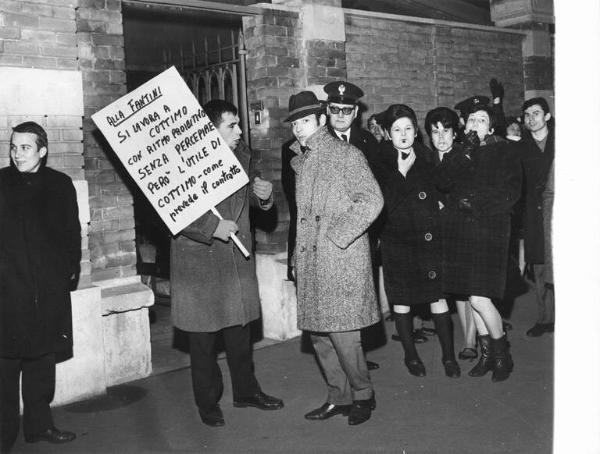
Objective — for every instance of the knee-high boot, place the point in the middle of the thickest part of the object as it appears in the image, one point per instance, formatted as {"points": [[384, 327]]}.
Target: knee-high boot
{"points": [[404, 326], [503, 364], [443, 326], [486, 360]]}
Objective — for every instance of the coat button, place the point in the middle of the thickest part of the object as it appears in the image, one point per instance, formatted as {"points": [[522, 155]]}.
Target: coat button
{"points": [[428, 236], [317, 218], [302, 249], [315, 247], [422, 195], [432, 275], [302, 220]]}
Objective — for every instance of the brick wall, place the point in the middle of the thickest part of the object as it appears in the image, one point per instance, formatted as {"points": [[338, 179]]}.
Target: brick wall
{"points": [[423, 65], [428, 65], [101, 61], [280, 64], [42, 35], [273, 69], [83, 35]]}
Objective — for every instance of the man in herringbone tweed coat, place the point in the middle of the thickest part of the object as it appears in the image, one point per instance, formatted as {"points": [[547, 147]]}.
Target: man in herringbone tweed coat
{"points": [[337, 199]]}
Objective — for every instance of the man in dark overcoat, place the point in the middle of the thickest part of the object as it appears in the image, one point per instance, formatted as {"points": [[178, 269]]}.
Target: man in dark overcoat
{"points": [[537, 155], [40, 251], [337, 199], [214, 287]]}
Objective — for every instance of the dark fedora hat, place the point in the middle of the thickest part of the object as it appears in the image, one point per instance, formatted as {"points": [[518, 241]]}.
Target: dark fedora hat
{"points": [[303, 104]]}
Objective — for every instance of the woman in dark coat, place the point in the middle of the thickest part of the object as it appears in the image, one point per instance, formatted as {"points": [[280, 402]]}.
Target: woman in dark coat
{"points": [[483, 182], [411, 240], [442, 126]]}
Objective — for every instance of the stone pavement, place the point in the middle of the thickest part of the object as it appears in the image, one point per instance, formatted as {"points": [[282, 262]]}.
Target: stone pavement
{"points": [[434, 414]]}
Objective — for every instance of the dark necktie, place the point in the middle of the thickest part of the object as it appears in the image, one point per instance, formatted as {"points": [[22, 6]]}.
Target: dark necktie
{"points": [[344, 137], [304, 148], [404, 155]]}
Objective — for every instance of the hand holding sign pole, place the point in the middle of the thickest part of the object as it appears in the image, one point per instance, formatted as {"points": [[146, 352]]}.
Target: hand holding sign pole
{"points": [[173, 152], [233, 236]]}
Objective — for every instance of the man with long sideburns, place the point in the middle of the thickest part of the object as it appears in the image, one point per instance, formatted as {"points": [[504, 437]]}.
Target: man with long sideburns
{"points": [[337, 199]]}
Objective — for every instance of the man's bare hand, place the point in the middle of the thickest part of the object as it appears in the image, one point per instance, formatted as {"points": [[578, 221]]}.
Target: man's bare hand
{"points": [[262, 188], [224, 229]]}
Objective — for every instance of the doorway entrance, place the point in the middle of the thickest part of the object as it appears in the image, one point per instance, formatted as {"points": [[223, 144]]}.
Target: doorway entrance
{"points": [[207, 49]]}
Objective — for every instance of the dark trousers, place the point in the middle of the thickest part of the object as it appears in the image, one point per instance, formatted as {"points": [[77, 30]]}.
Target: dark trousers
{"points": [[38, 382], [207, 380]]}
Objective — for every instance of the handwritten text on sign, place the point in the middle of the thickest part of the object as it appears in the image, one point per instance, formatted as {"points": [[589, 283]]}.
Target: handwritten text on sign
{"points": [[168, 145]]}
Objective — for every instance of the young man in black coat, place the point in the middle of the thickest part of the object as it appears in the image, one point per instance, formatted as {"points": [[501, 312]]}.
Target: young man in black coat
{"points": [[537, 155], [40, 251]]}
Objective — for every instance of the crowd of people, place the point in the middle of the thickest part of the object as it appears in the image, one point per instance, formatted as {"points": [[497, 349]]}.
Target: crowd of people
{"points": [[443, 224], [434, 225]]}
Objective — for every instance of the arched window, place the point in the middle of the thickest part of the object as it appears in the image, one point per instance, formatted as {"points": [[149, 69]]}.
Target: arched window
{"points": [[214, 86], [228, 86]]}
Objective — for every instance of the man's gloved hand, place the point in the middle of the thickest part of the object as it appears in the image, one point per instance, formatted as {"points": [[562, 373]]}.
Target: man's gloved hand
{"points": [[497, 89], [470, 142]]}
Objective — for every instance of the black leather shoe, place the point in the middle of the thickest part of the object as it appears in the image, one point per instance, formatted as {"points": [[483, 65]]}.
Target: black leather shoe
{"points": [[326, 411], [540, 328], [372, 366], [259, 400], [452, 368], [213, 417], [415, 367], [51, 435], [361, 411]]}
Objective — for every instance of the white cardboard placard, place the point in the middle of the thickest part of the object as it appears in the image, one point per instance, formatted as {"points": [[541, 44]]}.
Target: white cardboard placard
{"points": [[170, 148]]}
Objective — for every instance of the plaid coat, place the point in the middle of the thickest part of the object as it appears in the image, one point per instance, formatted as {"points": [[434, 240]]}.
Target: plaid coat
{"points": [[337, 199], [477, 230], [411, 235]]}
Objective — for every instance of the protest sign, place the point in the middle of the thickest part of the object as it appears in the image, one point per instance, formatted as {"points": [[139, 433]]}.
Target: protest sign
{"points": [[170, 148]]}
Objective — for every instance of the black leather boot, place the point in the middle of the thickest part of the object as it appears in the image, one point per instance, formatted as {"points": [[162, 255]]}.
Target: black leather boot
{"points": [[404, 326], [486, 360], [503, 364]]}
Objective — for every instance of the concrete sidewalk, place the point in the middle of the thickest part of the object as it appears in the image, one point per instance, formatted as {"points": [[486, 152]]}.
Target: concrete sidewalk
{"points": [[434, 414]]}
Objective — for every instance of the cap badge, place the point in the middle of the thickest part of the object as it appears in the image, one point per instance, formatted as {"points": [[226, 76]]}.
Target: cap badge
{"points": [[476, 101], [342, 89]]}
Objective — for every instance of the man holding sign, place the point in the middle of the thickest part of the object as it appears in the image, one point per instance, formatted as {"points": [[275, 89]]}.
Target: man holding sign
{"points": [[214, 287]]}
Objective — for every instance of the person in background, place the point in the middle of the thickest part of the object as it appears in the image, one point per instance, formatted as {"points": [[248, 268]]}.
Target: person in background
{"points": [[513, 129], [375, 128], [411, 236], [40, 251], [537, 155], [337, 199], [214, 289], [483, 182]]}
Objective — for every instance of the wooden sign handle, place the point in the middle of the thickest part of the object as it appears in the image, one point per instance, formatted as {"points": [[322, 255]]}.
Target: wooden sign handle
{"points": [[235, 239]]}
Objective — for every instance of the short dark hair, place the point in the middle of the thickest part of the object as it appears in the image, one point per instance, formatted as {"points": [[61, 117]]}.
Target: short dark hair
{"points": [[33, 128], [396, 111], [444, 115], [215, 108], [539, 101], [488, 110]]}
